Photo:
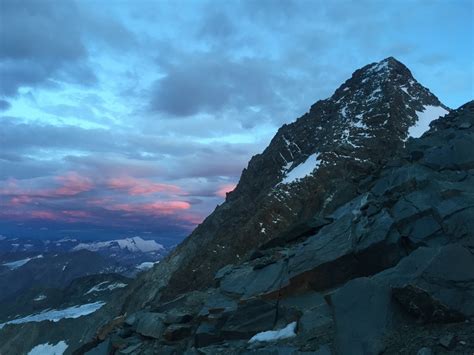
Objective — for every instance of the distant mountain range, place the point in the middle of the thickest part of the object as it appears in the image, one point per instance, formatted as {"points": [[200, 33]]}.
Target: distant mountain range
{"points": [[36, 273]]}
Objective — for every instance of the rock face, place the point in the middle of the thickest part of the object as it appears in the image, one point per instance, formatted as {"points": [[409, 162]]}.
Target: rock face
{"points": [[312, 165], [369, 251], [389, 271], [369, 248]]}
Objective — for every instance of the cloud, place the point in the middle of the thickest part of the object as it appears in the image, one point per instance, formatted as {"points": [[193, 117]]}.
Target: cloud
{"points": [[72, 184], [154, 208], [4, 105], [136, 187], [225, 189], [43, 215], [217, 25], [41, 42], [203, 83], [48, 43]]}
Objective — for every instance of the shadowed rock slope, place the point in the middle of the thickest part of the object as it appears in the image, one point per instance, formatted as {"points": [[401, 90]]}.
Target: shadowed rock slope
{"points": [[338, 143], [390, 271], [344, 236]]}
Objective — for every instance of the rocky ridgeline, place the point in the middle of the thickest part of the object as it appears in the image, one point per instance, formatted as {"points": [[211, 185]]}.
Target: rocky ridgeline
{"points": [[390, 269], [349, 136]]}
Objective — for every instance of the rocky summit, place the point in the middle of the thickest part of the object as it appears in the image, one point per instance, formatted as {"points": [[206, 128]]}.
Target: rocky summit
{"points": [[352, 233]]}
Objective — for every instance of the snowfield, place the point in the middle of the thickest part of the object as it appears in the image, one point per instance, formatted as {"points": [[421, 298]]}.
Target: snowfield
{"points": [[302, 170], [103, 287], [146, 265], [274, 335], [425, 117], [56, 315], [48, 349], [12, 265]]}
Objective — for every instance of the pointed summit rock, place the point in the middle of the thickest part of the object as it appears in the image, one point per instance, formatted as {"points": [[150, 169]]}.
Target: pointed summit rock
{"points": [[311, 166]]}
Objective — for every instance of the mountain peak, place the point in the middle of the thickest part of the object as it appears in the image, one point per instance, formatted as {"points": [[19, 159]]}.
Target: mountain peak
{"points": [[312, 164], [386, 66]]}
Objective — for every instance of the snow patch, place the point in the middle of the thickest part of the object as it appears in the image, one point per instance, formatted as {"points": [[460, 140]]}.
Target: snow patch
{"points": [[56, 315], [49, 349], [39, 298], [344, 111], [379, 67], [12, 265], [274, 335], [425, 117], [302, 170], [146, 265], [101, 287]]}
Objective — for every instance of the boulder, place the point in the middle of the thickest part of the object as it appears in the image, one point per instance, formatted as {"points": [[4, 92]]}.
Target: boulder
{"points": [[425, 351], [246, 281], [250, 318], [206, 334], [176, 332], [448, 341], [103, 348], [150, 324], [435, 284], [363, 316], [177, 317]]}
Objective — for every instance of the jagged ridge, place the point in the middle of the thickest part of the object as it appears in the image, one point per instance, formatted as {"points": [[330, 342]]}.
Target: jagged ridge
{"points": [[354, 131]]}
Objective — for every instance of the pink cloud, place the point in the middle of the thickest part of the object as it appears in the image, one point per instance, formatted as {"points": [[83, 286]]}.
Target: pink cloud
{"points": [[76, 214], [225, 189], [44, 215], [72, 184], [135, 186], [20, 200], [191, 219], [154, 208]]}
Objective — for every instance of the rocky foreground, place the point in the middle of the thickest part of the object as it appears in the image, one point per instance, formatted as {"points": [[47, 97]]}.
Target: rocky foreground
{"points": [[370, 251]]}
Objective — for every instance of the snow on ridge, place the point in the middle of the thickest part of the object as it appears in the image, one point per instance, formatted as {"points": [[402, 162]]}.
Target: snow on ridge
{"points": [[302, 170], [49, 349], [379, 67], [274, 335], [146, 265], [101, 287], [12, 265], [425, 117], [40, 297], [55, 315], [135, 244]]}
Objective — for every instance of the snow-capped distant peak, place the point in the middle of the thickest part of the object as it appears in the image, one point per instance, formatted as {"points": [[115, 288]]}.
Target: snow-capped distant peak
{"points": [[135, 244]]}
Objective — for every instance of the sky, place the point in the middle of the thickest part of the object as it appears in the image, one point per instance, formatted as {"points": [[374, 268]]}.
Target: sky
{"points": [[121, 118]]}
